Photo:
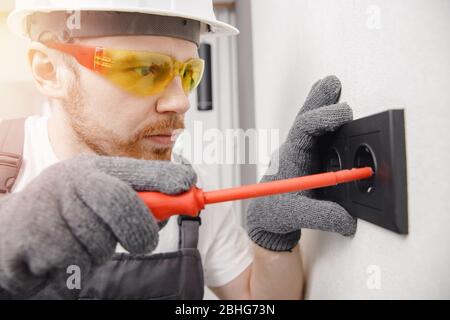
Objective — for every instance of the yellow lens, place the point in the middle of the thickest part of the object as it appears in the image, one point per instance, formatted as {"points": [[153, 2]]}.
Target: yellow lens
{"points": [[140, 73], [147, 73], [192, 74]]}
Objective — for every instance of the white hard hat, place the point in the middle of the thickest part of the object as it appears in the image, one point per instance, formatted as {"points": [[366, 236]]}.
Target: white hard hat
{"points": [[198, 10]]}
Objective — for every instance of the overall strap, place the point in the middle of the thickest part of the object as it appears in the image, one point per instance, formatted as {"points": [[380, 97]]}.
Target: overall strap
{"points": [[189, 228], [11, 152]]}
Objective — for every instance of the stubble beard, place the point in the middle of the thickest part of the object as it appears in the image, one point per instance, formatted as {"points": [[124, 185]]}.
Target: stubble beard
{"points": [[106, 142]]}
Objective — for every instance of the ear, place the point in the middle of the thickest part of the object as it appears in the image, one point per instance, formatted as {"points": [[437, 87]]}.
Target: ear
{"points": [[44, 63]]}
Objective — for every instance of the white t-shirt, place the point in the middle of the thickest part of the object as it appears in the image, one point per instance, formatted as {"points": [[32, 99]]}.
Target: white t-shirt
{"points": [[223, 244]]}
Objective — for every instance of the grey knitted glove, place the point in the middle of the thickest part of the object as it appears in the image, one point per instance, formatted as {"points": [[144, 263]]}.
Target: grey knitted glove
{"points": [[76, 212], [275, 222]]}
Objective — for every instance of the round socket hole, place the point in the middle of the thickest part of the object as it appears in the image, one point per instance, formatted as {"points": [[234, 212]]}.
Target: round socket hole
{"points": [[364, 157], [333, 161]]}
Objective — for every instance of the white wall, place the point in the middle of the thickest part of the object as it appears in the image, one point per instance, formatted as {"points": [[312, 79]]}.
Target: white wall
{"points": [[388, 54]]}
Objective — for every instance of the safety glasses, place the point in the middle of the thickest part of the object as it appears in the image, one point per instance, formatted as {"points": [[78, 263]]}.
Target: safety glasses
{"points": [[141, 73]]}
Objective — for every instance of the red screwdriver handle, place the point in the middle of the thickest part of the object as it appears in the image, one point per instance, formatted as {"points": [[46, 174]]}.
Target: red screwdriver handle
{"points": [[164, 206]]}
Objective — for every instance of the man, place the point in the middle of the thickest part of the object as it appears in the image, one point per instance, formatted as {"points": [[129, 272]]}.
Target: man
{"points": [[118, 88]]}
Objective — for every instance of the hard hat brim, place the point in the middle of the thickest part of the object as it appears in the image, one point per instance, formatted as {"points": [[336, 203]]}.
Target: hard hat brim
{"points": [[17, 20]]}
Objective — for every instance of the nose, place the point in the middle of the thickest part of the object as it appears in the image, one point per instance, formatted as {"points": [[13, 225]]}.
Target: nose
{"points": [[173, 99]]}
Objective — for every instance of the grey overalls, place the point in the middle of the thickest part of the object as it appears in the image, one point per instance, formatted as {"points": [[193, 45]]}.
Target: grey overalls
{"points": [[173, 275]]}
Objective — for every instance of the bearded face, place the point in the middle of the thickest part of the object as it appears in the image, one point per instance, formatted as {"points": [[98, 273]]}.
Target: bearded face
{"points": [[150, 140], [112, 122]]}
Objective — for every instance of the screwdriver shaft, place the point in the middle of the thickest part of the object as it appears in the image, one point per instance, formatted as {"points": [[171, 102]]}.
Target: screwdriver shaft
{"points": [[288, 185]]}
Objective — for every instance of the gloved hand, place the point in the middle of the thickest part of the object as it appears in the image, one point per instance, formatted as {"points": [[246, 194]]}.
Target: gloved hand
{"points": [[76, 212], [275, 222]]}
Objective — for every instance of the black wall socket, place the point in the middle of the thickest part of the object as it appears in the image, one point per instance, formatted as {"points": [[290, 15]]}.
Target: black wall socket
{"points": [[377, 141]]}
